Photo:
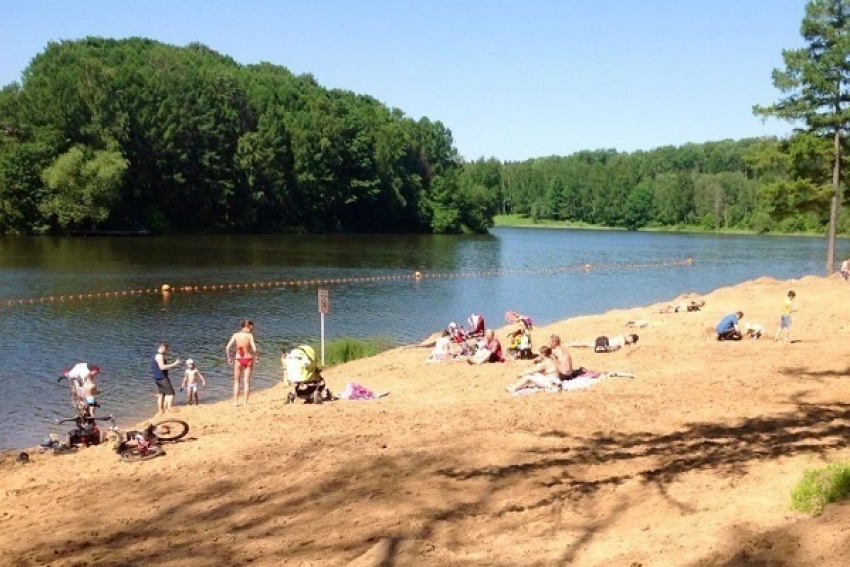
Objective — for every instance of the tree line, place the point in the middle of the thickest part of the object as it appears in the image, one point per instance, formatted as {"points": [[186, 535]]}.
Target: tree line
{"points": [[758, 184], [107, 134]]}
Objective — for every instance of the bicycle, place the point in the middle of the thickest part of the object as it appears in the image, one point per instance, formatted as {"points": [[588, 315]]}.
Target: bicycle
{"points": [[131, 445], [85, 434], [147, 444]]}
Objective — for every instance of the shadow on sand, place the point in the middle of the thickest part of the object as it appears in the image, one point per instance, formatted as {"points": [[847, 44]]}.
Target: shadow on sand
{"points": [[266, 508]]}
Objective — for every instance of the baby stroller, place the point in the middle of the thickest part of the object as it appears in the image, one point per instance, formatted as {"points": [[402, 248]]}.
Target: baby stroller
{"points": [[520, 346], [476, 326], [303, 372]]}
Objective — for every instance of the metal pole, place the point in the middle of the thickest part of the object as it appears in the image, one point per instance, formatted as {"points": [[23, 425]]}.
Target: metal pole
{"points": [[323, 337]]}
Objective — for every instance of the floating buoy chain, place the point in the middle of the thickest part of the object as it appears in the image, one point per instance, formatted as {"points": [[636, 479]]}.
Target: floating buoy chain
{"points": [[167, 289]]}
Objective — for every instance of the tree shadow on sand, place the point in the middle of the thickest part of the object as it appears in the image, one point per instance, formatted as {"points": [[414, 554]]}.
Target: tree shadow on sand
{"points": [[258, 513], [725, 450], [800, 372], [785, 546]]}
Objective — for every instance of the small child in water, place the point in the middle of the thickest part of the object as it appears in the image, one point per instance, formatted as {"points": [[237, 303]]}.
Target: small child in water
{"points": [[190, 382]]}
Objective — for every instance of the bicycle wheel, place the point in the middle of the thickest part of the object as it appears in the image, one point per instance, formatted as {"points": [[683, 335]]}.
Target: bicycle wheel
{"points": [[170, 430], [131, 453]]}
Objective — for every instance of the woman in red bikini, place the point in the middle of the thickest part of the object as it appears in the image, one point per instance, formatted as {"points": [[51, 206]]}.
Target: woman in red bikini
{"points": [[243, 362]]}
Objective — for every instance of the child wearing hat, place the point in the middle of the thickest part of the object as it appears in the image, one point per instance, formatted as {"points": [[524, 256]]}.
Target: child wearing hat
{"points": [[190, 382]]}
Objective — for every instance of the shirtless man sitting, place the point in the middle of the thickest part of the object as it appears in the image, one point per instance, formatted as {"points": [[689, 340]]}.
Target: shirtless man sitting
{"points": [[561, 356], [246, 355]]}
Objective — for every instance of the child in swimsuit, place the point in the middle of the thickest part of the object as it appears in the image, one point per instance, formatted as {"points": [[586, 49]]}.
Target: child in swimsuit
{"points": [[190, 382], [90, 391]]}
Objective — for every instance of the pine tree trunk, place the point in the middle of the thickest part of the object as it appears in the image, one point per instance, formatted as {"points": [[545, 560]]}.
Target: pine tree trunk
{"points": [[836, 200]]}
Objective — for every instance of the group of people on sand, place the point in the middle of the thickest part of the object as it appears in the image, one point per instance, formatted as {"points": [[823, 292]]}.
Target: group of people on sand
{"points": [[241, 352], [729, 328]]}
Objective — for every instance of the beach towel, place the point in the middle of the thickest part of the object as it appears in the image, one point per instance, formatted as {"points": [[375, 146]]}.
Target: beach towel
{"points": [[584, 380], [355, 391], [579, 383]]}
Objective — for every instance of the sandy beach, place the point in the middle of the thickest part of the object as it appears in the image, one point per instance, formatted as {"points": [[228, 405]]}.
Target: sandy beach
{"points": [[691, 462]]}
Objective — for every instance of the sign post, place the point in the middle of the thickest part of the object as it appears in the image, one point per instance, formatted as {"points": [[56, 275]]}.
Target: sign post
{"points": [[324, 307]]}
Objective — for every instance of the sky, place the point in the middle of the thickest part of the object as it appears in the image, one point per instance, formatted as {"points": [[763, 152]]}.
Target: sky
{"points": [[511, 79]]}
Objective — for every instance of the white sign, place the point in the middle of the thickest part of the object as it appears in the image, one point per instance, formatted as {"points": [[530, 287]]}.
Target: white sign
{"points": [[324, 301]]}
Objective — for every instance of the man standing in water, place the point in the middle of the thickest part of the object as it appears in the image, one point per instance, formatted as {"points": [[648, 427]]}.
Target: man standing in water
{"points": [[243, 362], [160, 368]]}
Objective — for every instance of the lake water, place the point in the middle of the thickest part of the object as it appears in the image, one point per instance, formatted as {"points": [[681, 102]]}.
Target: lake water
{"points": [[120, 333]]}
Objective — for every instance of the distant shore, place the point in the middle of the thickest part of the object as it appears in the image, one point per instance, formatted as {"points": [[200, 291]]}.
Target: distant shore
{"points": [[523, 221]]}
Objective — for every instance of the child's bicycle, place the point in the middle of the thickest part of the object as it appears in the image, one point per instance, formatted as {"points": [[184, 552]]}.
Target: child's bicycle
{"points": [[147, 444], [85, 434]]}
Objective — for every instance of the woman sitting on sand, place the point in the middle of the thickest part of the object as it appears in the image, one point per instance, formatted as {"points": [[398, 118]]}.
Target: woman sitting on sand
{"points": [[607, 344], [442, 349], [544, 374]]}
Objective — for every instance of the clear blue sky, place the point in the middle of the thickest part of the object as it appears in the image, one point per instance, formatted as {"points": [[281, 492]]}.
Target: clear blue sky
{"points": [[510, 79]]}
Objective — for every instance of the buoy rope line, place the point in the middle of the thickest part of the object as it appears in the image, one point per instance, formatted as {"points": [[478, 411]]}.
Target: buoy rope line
{"points": [[166, 289]]}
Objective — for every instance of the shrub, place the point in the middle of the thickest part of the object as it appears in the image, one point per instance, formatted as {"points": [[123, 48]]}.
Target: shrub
{"points": [[346, 349], [821, 487]]}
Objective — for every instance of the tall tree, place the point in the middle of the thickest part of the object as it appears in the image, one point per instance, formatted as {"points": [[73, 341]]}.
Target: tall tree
{"points": [[85, 186], [816, 82]]}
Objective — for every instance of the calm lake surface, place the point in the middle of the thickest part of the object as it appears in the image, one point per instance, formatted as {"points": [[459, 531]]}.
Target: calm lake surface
{"points": [[120, 333]]}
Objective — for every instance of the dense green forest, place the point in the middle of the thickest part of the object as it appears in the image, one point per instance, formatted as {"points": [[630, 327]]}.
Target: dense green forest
{"points": [[117, 134], [758, 185], [114, 134]]}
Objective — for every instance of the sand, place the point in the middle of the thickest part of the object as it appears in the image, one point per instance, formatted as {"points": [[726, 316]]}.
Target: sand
{"points": [[691, 462]]}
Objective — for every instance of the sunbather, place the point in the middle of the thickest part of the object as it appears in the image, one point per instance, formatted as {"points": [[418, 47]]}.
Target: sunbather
{"points": [[489, 351], [544, 374], [561, 356], [442, 349], [642, 323], [608, 344], [683, 307]]}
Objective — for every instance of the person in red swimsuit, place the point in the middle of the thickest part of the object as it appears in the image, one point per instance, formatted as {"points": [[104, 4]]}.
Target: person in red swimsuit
{"points": [[243, 362]]}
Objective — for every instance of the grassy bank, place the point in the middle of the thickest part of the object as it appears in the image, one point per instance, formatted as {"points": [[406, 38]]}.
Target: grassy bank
{"points": [[346, 349], [524, 221]]}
